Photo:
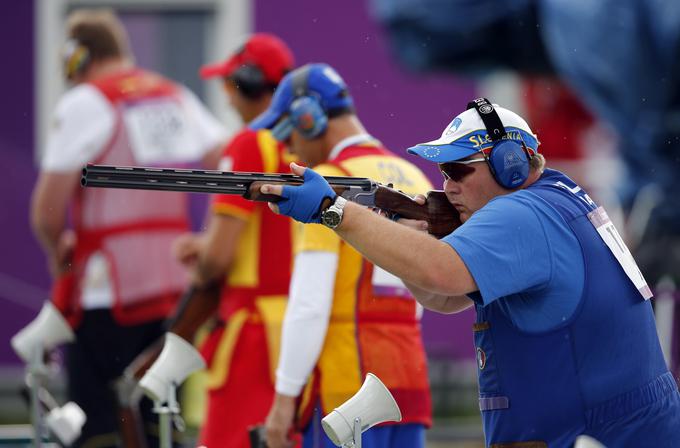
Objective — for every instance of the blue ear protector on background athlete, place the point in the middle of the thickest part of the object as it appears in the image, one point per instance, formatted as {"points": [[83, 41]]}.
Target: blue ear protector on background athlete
{"points": [[306, 112], [306, 100], [508, 159]]}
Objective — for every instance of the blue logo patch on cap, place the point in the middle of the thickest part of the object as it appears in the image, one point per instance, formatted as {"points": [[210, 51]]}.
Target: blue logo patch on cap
{"points": [[453, 127]]}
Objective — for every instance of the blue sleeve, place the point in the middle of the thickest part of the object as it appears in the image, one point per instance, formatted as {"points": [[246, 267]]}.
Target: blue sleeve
{"points": [[505, 248]]}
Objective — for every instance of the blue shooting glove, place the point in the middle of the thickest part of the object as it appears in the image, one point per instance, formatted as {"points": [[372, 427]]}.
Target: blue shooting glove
{"points": [[303, 203]]}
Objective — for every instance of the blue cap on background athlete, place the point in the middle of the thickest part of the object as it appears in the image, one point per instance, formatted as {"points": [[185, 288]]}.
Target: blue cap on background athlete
{"points": [[304, 98]]}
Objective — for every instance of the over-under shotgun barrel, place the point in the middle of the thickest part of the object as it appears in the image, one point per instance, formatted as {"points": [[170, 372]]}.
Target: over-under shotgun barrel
{"points": [[438, 212], [199, 181]]}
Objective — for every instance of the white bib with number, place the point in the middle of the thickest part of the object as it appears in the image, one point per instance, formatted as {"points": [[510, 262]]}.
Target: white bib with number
{"points": [[159, 132], [605, 228]]}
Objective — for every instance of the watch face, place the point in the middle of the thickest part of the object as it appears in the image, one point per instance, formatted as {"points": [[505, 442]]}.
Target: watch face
{"points": [[331, 218]]}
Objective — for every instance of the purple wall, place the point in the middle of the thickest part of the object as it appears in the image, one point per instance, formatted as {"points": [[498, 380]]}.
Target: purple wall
{"points": [[23, 275], [398, 108]]}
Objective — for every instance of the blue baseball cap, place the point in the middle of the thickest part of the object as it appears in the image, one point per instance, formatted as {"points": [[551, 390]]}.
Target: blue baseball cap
{"points": [[323, 83], [467, 135]]}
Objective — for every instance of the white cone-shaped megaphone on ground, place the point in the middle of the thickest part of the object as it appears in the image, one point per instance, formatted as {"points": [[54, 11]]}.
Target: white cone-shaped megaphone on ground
{"points": [[373, 404], [587, 442], [66, 422], [47, 330], [177, 360]]}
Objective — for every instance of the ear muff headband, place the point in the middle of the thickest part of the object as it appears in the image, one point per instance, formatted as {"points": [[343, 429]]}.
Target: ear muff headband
{"points": [[251, 81], [508, 159], [299, 81], [76, 58], [492, 122]]}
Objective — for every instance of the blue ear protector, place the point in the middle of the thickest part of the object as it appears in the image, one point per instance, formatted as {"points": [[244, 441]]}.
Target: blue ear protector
{"points": [[508, 159], [306, 112]]}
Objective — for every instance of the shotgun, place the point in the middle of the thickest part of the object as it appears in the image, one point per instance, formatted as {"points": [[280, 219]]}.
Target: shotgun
{"points": [[441, 216], [195, 307]]}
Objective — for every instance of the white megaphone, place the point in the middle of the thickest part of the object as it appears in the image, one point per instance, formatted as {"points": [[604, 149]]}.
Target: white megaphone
{"points": [[587, 442], [46, 331], [372, 404], [66, 422], [177, 360]]}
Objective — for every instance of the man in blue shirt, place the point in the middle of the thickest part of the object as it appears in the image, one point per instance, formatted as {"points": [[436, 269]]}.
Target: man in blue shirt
{"points": [[565, 337], [624, 64]]}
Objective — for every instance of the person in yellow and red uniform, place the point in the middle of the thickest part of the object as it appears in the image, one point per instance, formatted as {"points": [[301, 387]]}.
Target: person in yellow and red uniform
{"points": [[345, 317], [250, 248], [124, 280]]}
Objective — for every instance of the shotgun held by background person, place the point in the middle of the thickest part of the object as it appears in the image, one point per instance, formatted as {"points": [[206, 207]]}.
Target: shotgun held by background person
{"points": [[195, 308], [441, 216]]}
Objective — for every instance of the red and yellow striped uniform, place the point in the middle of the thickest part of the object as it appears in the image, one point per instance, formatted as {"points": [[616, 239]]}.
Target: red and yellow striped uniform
{"points": [[243, 353]]}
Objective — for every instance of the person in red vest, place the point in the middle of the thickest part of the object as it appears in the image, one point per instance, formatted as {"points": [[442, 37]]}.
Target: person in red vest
{"points": [[124, 280], [247, 252]]}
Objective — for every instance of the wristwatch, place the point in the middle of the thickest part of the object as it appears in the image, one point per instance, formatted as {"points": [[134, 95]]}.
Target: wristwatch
{"points": [[332, 216]]}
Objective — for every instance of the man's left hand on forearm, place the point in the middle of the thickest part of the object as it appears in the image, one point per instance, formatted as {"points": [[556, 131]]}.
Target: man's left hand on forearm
{"points": [[302, 203]]}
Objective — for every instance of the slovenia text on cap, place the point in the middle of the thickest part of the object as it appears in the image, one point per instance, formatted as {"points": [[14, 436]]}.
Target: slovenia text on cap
{"points": [[265, 51], [323, 83], [466, 135]]}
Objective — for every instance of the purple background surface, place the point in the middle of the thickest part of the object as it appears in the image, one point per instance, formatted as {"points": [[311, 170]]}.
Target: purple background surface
{"points": [[23, 273], [398, 108]]}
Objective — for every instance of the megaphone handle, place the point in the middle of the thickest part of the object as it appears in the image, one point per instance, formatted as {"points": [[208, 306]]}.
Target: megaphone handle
{"points": [[36, 415], [357, 432], [165, 429], [34, 374], [167, 415]]}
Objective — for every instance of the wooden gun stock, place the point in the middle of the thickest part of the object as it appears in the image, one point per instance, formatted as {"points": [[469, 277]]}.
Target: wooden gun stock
{"points": [[195, 308], [131, 427], [441, 217]]}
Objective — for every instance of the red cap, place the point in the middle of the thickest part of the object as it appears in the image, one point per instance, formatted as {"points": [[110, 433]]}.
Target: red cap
{"points": [[266, 51]]}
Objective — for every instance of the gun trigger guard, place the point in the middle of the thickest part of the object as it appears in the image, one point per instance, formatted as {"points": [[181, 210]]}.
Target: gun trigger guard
{"points": [[360, 196]]}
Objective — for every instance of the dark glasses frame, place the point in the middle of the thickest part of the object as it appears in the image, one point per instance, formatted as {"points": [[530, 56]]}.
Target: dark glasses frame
{"points": [[458, 170]]}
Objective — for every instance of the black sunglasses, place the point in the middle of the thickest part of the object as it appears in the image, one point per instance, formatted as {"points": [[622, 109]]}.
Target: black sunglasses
{"points": [[456, 171]]}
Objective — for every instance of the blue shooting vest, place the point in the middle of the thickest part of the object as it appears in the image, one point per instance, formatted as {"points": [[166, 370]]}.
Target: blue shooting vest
{"points": [[601, 372]]}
